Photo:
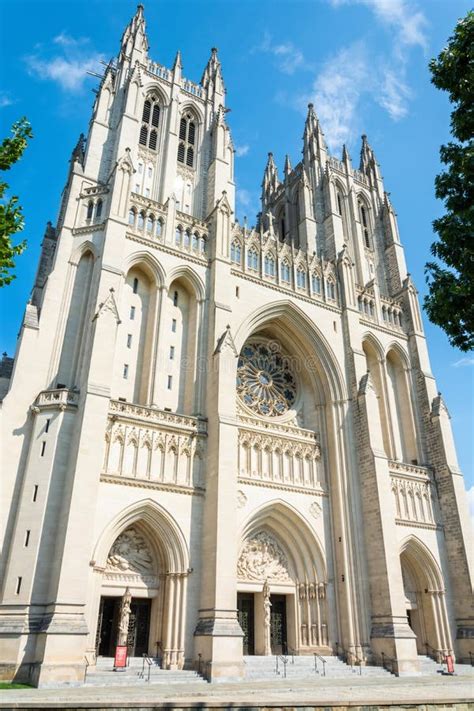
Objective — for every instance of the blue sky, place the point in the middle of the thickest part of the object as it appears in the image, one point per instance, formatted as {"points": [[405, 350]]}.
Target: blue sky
{"points": [[362, 62]]}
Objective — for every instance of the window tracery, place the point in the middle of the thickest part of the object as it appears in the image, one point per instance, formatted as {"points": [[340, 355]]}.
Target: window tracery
{"points": [[150, 123], [265, 381]]}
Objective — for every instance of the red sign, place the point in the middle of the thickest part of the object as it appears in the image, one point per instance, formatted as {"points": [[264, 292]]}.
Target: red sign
{"points": [[450, 664], [120, 660]]}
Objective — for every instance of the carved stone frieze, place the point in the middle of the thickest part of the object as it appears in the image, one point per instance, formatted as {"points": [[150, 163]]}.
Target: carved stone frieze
{"points": [[262, 558], [130, 554]]}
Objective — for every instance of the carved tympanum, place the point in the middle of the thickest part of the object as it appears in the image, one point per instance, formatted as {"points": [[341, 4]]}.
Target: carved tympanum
{"points": [[262, 558], [130, 554]]}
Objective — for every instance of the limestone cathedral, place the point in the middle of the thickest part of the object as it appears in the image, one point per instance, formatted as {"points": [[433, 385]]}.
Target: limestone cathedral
{"points": [[236, 429]]}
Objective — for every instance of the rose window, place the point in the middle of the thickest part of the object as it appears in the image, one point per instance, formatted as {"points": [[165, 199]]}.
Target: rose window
{"points": [[265, 383]]}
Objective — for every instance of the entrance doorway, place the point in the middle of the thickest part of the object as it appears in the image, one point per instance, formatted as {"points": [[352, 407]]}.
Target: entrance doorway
{"points": [[278, 634], [246, 615], [138, 626]]}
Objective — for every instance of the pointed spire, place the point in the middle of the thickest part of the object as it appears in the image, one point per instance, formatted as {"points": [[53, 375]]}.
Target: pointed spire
{"points": [[79, 150], [211, 79], [366, 154], [311, 124], [313, 137], [345, 154], [270, 181], [287, 169], [134, 36], [177, 68]]}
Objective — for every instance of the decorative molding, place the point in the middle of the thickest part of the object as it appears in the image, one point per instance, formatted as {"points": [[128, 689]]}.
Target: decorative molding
{"points": [[283, 486], [151, 484], [56, 399], [109, 304], [242, 499]]}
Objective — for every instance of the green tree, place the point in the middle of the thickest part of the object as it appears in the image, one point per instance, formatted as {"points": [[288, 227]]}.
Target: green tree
{"points": [[11, 215], [450, 301]]}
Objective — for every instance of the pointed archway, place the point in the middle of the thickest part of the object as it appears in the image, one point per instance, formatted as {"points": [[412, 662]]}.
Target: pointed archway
{"points": [[425, 599]]}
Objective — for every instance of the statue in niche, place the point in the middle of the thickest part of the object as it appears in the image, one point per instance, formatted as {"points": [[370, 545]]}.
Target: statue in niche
{"points": [[267, 614], [130, 554], [124, 619]]}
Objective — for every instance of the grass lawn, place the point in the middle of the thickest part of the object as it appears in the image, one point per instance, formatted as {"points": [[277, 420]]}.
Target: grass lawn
{"points": [[13, 685]]}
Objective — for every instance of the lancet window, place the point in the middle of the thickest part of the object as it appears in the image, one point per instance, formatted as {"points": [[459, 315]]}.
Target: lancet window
{"points": [[150, 123], [187, 140]]}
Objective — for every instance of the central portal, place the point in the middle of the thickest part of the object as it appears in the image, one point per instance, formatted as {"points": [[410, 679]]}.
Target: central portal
{"points": [[251, 620], [138, 626]]}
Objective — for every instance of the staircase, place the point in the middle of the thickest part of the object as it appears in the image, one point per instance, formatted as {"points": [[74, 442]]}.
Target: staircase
{"points": [[428, 667], [136, 674], [303, 667]]}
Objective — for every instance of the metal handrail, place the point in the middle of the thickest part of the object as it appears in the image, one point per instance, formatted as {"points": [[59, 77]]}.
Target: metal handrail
{"points": [[148, 660], [86, 668], [284, 661], [316, 657]]}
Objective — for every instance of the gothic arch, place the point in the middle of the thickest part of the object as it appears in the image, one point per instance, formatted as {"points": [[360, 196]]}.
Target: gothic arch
{"points": [[375, 343], [314, 346], [428, 571], [425, 598], [192, 108], [192, 279], [149, 264], [294, 534], [81, 249], [162, 532], [154, 88]]}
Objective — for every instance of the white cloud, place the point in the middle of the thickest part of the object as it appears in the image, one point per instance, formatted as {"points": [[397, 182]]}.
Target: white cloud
{"points": [[337, 91], [247, 202], [464, 362], [70, 68], [288, 57], [241, 151], [394, 93], [244, 197], [408, 21], [5, 100]]}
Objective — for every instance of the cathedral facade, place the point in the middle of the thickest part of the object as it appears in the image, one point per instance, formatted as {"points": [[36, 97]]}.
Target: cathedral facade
{"points": [[236, 428]]}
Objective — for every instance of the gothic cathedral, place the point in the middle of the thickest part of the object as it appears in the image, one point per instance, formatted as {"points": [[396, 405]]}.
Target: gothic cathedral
{"points": [[234, 428]]}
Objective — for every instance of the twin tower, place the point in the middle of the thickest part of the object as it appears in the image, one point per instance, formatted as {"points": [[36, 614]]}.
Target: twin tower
{"points": [[236, 427]]}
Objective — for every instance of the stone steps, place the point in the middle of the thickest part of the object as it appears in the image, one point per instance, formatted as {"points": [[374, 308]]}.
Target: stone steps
{"points": [[302, 667], [134, 674]]}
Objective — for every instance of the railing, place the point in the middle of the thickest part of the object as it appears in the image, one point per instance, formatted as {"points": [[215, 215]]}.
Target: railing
{"points": [[283, 660], [86, 668], [149, 661], [321, 659]]}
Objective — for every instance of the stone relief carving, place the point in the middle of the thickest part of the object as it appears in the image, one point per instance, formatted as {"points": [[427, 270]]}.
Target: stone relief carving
{"points": [[130, 554], [262, 558], [241, 499], [315, 509]]}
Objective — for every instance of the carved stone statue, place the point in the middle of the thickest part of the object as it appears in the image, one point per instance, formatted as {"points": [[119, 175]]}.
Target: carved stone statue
{"points": [[267, 607], [125, 610]]}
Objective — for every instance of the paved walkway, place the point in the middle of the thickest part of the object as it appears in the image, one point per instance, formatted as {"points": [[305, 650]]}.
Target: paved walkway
{"points": [[281, 694]]}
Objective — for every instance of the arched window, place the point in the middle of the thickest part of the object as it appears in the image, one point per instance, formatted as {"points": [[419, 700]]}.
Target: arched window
{"points": [[269, 265], [141, 220], [98, 209], [150, 223], [131, 217], [315, 283], [252, 259], [339, 203], [178, 236], [301, 278], [90, 210], [331, 290], [195, 241], [364, 221], [159, 228], [187, 140], [135, 285], [285, 272], [187, 239], [236, 252], [202, 243], [150, 123]]}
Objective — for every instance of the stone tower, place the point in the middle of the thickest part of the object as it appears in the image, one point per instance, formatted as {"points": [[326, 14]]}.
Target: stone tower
{"points": [[219, 419]]}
